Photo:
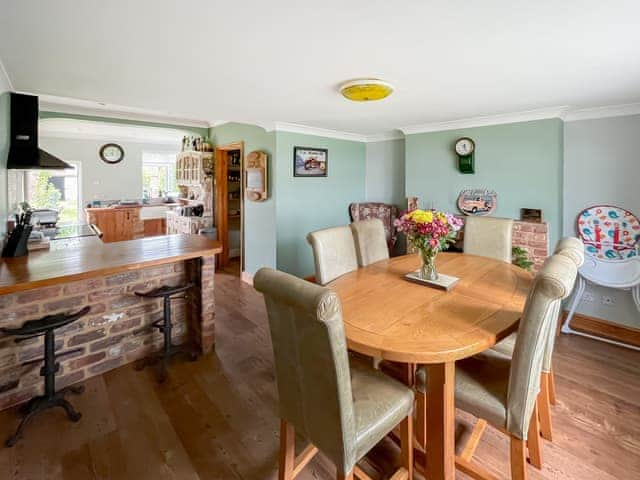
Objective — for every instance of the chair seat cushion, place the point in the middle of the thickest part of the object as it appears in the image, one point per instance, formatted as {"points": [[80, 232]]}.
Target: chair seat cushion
{"points": [[380, 403], [506, 346], [482, 386]]}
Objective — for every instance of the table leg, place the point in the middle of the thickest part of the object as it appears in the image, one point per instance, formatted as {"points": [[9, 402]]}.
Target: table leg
{"points": [[440, 422]]}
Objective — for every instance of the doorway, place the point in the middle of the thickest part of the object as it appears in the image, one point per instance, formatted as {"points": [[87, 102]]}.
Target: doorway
{"points": [[229, 205]]}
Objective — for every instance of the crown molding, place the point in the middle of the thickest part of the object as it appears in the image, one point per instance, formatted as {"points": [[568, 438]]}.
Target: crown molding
{"points": [[385, 136], [318, 132], [87, 129], [486, 120], [602, 112], [52, 103]]}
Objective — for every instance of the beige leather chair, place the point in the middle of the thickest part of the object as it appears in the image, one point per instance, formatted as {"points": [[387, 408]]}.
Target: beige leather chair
{"points": [[370, 240], [342, 410], [572, 248], [488, 237], [334, 253], [503, 391]]}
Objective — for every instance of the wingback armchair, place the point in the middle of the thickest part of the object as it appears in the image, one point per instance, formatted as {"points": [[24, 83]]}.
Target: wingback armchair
{"points": [[383, 211]]}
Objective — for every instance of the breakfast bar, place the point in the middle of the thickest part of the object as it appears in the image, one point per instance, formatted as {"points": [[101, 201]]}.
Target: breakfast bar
{"points": [[104, 277]]}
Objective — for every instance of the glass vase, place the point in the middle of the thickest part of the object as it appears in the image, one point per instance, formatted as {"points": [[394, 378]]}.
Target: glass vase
{"points": [[428, 264]]}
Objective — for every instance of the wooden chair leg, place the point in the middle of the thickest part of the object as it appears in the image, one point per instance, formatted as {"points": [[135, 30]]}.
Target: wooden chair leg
{"points": [[544, 407], [518, 459], [287, 450], [551, 382], [421, 419], [533, 440], [406, 444]]}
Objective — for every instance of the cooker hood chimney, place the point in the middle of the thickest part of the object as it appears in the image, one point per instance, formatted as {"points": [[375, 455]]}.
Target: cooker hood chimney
{"points": [[23, 150]]}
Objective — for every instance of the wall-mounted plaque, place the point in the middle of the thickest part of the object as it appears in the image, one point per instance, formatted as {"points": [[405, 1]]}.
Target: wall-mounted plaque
{"points": [[255, 176], [477, 201]]}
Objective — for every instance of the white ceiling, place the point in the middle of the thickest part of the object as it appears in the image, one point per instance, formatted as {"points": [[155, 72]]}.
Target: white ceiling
{"points": [[282, 60]]}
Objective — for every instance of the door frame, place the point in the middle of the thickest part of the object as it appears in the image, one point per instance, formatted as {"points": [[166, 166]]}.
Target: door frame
{"points": [[221, 167]]}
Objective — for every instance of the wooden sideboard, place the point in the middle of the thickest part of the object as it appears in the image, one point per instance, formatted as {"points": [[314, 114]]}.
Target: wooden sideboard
{"points": [[117, 224]]}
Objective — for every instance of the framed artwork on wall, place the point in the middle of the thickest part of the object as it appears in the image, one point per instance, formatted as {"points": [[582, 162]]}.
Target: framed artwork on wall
{"points": [[310, 162]]}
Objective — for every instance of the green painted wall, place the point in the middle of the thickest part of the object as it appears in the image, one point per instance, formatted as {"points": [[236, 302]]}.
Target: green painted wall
{"points": [[522, 162], [259, 217], [4, 151], [307, 204], [203, 132]]}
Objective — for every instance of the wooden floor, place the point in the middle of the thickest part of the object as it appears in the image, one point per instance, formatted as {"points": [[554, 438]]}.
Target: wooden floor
{"points": [[216, 418]]}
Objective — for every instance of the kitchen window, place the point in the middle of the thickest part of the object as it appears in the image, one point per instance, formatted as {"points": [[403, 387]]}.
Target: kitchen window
{"points": [[52, 189], [158, 174]]}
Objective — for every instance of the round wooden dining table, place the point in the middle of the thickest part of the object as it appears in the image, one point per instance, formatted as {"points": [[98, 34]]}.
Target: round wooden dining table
{"points": [[389, 317]]}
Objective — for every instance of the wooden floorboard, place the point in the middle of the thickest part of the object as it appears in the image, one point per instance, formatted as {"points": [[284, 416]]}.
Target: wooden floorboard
{"points": [[217, 418]]}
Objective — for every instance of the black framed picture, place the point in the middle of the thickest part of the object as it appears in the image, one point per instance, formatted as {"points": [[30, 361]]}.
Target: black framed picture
{"points": [[310, 162]]}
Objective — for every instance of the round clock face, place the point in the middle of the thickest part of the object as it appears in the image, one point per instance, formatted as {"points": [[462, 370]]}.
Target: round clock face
{"points": [[111, 153], [465, 146]]}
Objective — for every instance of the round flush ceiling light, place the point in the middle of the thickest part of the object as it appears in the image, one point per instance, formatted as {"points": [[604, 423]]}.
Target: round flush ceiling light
{"points": [[366, 90]]}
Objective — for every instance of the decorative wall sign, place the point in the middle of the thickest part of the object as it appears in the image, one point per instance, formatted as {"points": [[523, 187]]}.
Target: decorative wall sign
{"points": [[111, 153], [609, 232], [477, 201], [310, 162], [256, 176]]}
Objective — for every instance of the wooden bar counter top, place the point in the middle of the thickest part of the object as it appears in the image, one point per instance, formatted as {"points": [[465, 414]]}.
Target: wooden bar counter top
{"points": [[85, 272], [94, 258]]}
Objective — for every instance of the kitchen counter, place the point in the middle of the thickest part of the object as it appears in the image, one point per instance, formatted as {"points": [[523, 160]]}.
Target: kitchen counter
{"points": [[94, 258], [105, 277]]}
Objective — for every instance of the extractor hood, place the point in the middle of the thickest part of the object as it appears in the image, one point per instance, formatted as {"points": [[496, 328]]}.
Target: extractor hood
{"points": [[24, 152]]}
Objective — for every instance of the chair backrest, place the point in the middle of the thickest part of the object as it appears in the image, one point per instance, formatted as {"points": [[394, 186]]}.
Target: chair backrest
{"points": [[553, 282], [371, 244], [488, 237], [334, 253], [385, 212], [572, 248], [312, 364]]}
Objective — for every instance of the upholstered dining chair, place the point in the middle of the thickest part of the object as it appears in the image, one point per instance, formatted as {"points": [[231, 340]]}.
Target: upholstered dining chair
{"points": [[503, 391], [371, 244], [572, 248], [343, 410], [488, 237], [334, 253]]}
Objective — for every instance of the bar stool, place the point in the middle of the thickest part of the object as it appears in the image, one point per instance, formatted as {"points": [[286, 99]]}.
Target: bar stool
{"points": [[36, 328], [165, 326]]}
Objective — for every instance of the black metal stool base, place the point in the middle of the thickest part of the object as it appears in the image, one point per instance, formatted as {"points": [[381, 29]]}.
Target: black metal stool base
{"points": [[39, 404], [162, 358]]}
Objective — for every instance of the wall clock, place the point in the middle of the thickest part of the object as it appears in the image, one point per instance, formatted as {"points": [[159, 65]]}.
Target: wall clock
{"points": [[465, 149], [111, 153]]}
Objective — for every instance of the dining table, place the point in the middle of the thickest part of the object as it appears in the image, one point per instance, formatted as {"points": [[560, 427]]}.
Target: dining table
{"points": [[388, 317]]}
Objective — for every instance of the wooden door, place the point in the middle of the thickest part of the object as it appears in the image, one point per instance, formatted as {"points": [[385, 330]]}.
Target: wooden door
{"points": [[222, 204]]}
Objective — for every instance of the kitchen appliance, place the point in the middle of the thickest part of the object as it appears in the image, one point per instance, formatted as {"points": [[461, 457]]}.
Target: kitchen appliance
{"points": [[192, 211], [44, 217], [23, 149]]}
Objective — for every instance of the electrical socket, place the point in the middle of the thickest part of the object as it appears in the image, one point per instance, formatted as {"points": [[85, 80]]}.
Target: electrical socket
{"points": [[588, 296], [608, 300]]}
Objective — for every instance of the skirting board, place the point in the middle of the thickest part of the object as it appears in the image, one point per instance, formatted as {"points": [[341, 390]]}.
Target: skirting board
{"points": [[605, 329], [246, 278]]}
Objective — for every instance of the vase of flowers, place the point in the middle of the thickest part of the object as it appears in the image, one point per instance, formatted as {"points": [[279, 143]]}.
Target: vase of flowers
{"points": [[429, 231]]}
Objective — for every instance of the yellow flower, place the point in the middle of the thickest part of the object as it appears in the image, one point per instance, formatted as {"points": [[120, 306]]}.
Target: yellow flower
{"points": [[421, 216]]}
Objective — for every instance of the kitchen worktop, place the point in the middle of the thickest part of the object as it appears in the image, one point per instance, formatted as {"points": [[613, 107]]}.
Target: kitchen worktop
{"points": [[93, 258]]}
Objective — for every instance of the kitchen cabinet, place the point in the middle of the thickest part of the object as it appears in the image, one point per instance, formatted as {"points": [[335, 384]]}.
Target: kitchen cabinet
{"points": [[154, 226], [117, 224]]}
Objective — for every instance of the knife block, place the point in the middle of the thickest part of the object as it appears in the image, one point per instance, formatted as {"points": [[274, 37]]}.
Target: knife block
{"points": [[17, 243]]}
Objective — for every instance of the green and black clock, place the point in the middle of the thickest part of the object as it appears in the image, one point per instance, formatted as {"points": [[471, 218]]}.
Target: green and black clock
{"points": [[465, 149]]}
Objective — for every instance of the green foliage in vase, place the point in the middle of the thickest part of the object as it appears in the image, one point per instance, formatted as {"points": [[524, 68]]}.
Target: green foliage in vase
{"points": [[520, 257]]}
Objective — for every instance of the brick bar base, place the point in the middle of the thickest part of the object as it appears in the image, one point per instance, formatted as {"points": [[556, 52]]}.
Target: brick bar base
{"points": [[112, 334]]}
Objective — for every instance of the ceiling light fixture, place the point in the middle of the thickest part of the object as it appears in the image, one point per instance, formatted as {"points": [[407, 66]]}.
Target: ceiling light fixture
{"points": [[366, 90]]}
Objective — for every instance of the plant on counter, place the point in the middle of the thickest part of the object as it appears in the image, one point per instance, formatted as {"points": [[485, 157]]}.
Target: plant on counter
{"points": [[520, 257], [429, 231]]}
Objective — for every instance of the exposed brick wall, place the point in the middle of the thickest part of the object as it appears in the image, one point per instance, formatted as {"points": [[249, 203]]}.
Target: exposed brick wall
{"points": [[112, 334], [534, 238]]}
